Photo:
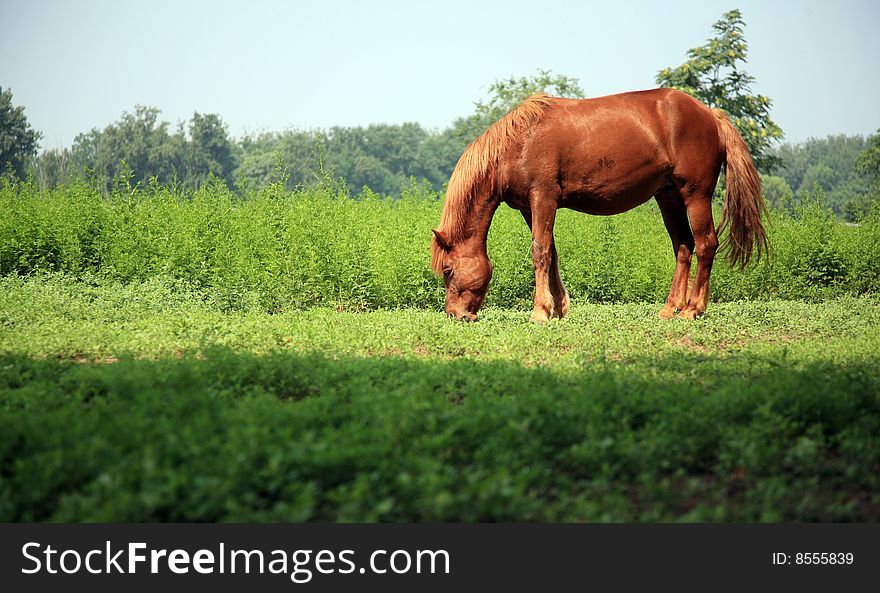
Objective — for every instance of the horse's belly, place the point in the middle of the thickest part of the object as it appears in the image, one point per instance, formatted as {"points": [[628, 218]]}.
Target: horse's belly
{"points": [[618, 181], [612, 201]]}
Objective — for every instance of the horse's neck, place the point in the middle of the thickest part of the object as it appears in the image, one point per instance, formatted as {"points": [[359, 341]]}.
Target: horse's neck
{"points": [[480, 218]]}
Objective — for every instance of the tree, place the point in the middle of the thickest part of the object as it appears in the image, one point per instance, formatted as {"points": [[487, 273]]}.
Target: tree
{"points": [[380, 156], [258, 157], [18, 141], [506, 94], [208, 150], [826, 163], [776, 191], [713, 74], [138, 144], [52, 167], [868, 161], [141, 147], [868, 164], [446, 147]]}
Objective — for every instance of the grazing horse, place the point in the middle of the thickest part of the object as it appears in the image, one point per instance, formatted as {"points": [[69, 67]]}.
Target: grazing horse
{"points": [[600, 156]]}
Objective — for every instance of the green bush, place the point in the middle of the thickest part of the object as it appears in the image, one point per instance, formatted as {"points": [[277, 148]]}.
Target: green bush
{"points": [[276, 250]]}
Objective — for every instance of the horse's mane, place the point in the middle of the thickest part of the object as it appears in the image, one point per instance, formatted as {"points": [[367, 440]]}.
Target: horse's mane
{"points": [[474, 175]]}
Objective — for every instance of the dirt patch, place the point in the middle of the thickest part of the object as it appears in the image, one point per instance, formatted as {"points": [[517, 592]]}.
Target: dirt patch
{"points": [[723, 345], [83, 359]]}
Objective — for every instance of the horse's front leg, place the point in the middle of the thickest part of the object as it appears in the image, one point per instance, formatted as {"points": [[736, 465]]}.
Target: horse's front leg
{"points": [[699, 210], [551, 298]]}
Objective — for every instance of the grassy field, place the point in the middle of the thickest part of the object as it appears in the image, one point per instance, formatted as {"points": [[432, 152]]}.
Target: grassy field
{"points": [[150, 400], [206, 356]]}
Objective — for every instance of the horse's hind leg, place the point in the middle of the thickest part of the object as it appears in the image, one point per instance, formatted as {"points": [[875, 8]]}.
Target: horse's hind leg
{"points": [[560, 293], [699, 209], [675, 217]]}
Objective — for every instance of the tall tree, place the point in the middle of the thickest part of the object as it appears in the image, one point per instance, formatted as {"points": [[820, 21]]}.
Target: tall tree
{"points": [[868, 164], [868, 161], [714, 75], [52, 167], [141, 146], [138, 145], [506, 94], [828, 165], [208, 150], [18, 141]]}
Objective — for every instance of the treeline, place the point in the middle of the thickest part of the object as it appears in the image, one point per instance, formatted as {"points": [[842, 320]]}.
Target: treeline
{"points": [[139, 148], [831, 164], [386, 158]]}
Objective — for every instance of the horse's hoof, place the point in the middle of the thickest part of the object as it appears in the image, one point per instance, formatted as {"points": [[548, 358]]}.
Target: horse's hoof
{"points": [[539, 317], [667, 312], [689, 314]]}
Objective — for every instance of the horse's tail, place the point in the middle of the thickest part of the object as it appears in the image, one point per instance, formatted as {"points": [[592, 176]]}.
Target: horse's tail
{"points": [[743, 202], [474, 175]]}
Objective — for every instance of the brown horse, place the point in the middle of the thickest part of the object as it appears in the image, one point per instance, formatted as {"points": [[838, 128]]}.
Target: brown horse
{"points": [[600, 156]]}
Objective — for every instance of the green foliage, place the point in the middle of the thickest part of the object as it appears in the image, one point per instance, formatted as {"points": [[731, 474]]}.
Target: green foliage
{"points": [[506, 94], [52, 167], [18, 141], [868, 161], [208, 151], [868, 164], [138, 144], [276, 250], [143, 380], [777, 192], [829, 164], [713, 75], [141, 147], [380, 157], [145, 402]]}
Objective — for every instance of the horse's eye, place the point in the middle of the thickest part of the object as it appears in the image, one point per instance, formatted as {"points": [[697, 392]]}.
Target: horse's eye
{"points": [[447, 273]]}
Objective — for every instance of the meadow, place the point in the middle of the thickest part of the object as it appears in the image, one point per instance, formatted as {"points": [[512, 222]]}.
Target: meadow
{"points": [[203, 356]]}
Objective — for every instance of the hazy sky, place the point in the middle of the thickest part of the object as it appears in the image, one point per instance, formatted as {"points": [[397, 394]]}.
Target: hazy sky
{"points": [[266, 65]]}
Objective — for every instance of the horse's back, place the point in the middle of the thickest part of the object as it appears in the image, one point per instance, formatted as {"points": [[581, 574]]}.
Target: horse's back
{"points": [[608, 154], [668, 119]]}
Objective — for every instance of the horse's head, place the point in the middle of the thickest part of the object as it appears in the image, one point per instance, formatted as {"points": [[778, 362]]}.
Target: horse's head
{"points": [[466, 274]]}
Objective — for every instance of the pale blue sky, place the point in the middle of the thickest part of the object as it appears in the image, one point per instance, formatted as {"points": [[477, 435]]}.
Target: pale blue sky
{"points": [[267, 65]]}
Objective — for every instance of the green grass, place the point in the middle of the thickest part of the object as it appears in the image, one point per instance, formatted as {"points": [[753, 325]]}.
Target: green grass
{"points": [[203, 356], [153, 400]]}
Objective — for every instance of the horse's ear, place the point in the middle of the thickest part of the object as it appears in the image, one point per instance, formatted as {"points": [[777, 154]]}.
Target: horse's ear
{"points": [[441, 239]]}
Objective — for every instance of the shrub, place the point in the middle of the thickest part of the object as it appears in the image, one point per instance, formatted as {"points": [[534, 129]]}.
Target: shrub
{"points": [[275, 250]]}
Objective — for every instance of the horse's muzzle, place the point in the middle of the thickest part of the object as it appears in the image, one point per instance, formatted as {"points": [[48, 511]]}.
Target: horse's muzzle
{"points": [[466, 316]]}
